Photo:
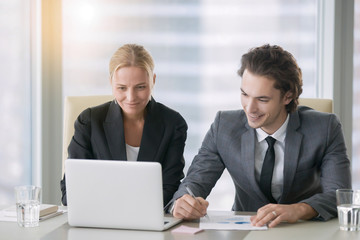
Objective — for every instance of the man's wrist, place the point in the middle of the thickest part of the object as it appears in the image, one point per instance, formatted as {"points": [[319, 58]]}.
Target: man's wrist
{"points": [[307, 212]]}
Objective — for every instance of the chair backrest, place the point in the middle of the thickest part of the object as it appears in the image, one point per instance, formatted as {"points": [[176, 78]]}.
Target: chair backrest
{"points": [[73, 106], [319, 104]]}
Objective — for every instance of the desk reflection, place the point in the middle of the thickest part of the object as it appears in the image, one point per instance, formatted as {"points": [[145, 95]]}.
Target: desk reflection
{"points": [[76, 233], [66, 232]]}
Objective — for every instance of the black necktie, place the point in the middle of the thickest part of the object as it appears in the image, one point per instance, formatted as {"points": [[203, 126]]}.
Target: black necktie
{"points": [[267, 170]]}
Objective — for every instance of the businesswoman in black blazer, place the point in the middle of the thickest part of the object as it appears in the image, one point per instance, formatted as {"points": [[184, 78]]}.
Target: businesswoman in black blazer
{"points": [[132, 127]]}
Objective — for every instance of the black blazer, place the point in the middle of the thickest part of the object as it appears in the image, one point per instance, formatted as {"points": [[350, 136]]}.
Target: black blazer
{"points": [[99, 134]]}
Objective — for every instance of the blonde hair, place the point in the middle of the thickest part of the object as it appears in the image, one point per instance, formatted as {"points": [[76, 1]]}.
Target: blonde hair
{"points": [[132, 55]]}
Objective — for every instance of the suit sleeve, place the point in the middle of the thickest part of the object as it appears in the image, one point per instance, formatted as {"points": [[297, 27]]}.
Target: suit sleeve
{"points": [[334, 172], [80, 145], [173, 165], [206, 167]]}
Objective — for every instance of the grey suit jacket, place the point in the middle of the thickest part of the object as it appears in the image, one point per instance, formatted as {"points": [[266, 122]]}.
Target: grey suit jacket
{"points": [[315, 161]]}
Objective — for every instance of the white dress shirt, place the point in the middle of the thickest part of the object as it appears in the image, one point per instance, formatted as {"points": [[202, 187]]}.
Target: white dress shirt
{"points": [[279, 147]]}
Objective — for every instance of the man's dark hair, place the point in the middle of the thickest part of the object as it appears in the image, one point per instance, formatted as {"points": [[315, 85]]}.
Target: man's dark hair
{"points": [[275, 63]]}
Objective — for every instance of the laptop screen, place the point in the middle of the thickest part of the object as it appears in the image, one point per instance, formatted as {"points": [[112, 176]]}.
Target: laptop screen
{"points": [[114, 194]]}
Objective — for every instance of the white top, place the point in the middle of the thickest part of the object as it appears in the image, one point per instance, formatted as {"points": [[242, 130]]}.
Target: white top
{"points": [[132, 152], [279, 147]]}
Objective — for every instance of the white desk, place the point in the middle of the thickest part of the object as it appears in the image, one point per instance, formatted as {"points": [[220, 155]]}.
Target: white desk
{"points": [[58, 229]]}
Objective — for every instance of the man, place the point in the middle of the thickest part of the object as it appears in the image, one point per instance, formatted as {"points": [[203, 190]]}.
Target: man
{"points": [[291, 176]]}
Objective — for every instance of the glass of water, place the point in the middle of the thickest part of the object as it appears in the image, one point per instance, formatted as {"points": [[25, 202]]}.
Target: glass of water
{"points": [[348, 206], [27, 205]]}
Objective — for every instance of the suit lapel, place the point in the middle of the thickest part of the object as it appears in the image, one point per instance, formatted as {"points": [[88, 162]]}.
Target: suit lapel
{"points": [[152, 133], [248, 155], [291, 154], [114, 132]]}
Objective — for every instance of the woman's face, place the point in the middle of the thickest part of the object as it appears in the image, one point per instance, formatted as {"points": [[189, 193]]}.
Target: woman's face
{"points": [[132, 90]]}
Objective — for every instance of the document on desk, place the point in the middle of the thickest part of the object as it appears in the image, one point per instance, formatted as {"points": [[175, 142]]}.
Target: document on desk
{"points": [[228, 222], [9, 214]]}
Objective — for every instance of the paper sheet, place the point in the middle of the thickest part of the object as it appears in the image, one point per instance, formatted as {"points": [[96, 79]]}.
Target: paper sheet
{"points": [[228, 222], [8, 215], [186, 230]]}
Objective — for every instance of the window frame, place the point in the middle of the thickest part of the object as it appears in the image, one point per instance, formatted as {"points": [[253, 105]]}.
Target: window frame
{"points": [[335, 51], [335, 46]]}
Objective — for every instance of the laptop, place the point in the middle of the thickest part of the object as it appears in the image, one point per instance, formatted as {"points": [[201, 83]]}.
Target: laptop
{"points": [[116, 194]]}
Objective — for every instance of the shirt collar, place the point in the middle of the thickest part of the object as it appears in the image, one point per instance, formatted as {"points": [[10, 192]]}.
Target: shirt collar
{"points": [[279, 135]]}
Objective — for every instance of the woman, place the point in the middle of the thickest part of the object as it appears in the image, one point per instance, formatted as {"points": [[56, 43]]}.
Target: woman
{"points": [[132, 127]]}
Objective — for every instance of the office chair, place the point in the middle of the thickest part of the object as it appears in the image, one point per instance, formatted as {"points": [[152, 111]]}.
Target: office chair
{"points": [[73, 106], [319, 104]]}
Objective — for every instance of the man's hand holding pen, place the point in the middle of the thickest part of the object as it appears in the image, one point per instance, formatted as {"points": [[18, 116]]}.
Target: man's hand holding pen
{"points": [[189, 207]]}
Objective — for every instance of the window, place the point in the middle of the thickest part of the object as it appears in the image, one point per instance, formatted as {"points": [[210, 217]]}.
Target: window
{"points": [[15, 103], [196, 46]]}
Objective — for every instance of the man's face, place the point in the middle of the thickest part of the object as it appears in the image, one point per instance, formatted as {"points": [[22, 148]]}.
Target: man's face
{"points": [[262, 103]]}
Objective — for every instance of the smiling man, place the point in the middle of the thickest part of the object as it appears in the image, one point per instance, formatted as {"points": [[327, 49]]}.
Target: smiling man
{"points": [[286, 161]]}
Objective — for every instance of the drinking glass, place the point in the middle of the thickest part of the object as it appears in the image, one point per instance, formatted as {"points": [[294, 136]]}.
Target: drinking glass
{"points": [[348, 206], [27, 205]]}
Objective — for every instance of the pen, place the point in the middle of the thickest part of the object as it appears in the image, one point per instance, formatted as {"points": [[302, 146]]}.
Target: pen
{"points": [[192, 194]]}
